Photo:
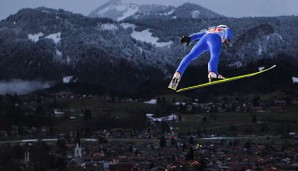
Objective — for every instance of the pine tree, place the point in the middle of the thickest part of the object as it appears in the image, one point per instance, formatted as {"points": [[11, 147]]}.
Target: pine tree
{"points": [[162, 142]]}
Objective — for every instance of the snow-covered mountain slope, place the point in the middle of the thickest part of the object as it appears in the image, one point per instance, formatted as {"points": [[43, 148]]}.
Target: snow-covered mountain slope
{"points": [[117, 10], [53, 45], [145, 36], [189, 10]]}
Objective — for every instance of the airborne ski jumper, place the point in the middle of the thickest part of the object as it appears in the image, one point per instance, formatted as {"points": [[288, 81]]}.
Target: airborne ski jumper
{"points": [[210, 40]]}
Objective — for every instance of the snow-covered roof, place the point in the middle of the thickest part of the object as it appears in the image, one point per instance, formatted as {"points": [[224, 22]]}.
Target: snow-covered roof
{"points": [[172, 117], [295, 79], [67, 79], [152, 101]]}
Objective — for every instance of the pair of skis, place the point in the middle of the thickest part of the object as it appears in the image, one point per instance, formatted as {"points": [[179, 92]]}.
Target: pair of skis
{"points": [[225, 80]]}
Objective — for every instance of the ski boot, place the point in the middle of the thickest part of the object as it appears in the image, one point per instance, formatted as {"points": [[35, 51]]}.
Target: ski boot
{"points": [[213, 77], [220, 77], [175, 81]]}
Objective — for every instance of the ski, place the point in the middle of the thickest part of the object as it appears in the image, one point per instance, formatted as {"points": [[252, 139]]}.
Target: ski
{"points": [[225, 80]]}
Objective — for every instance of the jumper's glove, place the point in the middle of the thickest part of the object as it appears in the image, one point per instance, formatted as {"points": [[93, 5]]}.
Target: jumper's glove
{"points": [[227, 43], [185, 39]]}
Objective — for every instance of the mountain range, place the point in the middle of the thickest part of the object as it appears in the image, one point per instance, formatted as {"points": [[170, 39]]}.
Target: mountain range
{"points": [[134, 49], [119, 11]]}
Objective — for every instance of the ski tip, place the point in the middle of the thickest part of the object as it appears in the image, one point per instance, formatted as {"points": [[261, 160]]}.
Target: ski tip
{"points": [[172, 88], [273, 66], [179, 90]]}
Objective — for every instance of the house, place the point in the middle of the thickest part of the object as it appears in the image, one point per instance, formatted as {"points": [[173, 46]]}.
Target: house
{"points": [[124, 166], [76, 164], [58, 112], [258, 109], [277, 109]]}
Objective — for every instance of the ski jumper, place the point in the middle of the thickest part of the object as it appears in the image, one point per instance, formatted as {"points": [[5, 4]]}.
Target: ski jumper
{"points": [[210, 40]]}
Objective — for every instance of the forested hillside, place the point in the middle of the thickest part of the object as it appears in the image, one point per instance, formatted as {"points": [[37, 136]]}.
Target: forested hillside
{"points": [[138, 54]]}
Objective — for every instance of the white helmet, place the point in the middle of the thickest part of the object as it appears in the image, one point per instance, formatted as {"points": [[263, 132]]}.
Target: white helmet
{"points": [[223, 26]]}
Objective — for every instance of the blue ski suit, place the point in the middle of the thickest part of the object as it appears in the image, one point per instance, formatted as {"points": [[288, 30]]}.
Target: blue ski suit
{"points": [[210, 40]]}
